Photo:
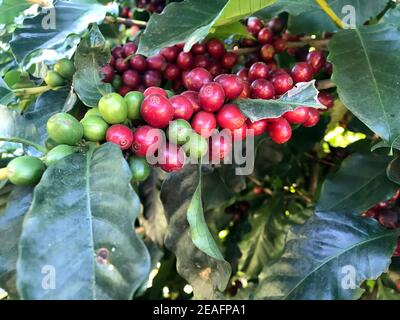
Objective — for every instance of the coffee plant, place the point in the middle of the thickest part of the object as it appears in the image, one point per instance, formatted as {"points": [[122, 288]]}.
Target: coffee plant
{"points": [[213, 149]]}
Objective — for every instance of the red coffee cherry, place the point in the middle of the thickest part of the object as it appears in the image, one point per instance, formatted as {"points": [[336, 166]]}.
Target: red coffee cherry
{"points": [[326, 99], [201, 61], [246, 93], [156, 62], [282, 83], [196, 78], [215, 48], [183, 108], [243, 74], [120, 65], [157, 111], [232, 84], [313, 118], [193, 97], [204, 123], [172, 158], [170, 53], [199, 48], [185, 60], [239, 134], [172, 72], [230, 117], [152, 78], [316, 59], [123, 90], [297, 116], [155, 90], [211, 96], [220, 147], [229, 60], [143, 138], [131, 78], [265, 36], [262, 89], [129, 49], [328, 69], [138, 62], [258, 70], [280, 45], [276, 25], [214, 67], [254, 25], [267, 52], [108, 72], [302, 72], [120, 135], [116, 52], [258, 127], [279, 130]]}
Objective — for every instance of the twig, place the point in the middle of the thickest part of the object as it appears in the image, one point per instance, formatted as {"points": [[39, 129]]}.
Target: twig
{"points": [[127, 22], [32, 91], [325, 84], [317, 43], [259, 184]]}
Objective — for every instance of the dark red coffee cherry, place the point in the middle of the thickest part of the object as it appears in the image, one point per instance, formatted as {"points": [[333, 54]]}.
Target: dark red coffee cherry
{"points": [[193, 97], [185, 60], [279, 130], [131, 78], [280, 45], [297, 116], [183, 108], [211, 96], [276, 25], [170, 53], [254, 25], [220, 146], [302, 72], [229, 60], [326, 99], [143, 138], [121, 65], [246, 93], [313, 118], [199, 48], [316, 59], [243, 74], [267, 52], [123, 90], [248, 43], [138, 63], [157, 111], [157, 63], [265, 36], [258, 70], [258, 127], [155, 90], [215, 48], [196, 78], [230, 117], [214, 67], [282, 83], [328, 69], [262, 89], [117, 52], [172, 72], [172, 158], [108, 72], [204, 123], [240, 133], [121, 135], [200, 61], [232, 84], [129, 49], [152, 78]]}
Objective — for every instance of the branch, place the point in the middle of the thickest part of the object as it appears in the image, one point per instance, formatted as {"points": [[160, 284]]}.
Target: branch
{"points": [[325, 84], [33, 90], [331, 14], [127, 22]]}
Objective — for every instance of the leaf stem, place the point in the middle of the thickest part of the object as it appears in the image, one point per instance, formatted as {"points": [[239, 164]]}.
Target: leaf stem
{"points": [[325, 84], [38, 147], [3, 174], [127, 22], [32, 91], [331, 14]]}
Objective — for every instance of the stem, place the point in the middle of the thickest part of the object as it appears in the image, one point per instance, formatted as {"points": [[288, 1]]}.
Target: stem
{"points": [[32, 91], [325, 84], [244, 50], [328, 10], [127, 22], [38, 147], [321, 43], [3, 174]]}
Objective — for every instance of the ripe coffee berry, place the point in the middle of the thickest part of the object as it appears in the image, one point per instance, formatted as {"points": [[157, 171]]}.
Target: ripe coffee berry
{"points": [[280, 45], [239, 134], [211, 96], [170, 53], [232, 85], [123, 90], [199, 48], [138, 63], [316, 59], [129, 49], [302, 72], [279, 130], [297, 116], [276, 25], [229, 60], [246, 93], [200, 61], [108, 72], [193, 97], [220, 147], [145, 137], [328, 69], [196, 78], [172, 72], [267, 52], [313, 118], [258, 70], [185, 60], [157, 111], [243, 74], [254, 25], [117, 52], [282, 83], [214, 67], [183, 108], [262, 89], [172, 158], [120, 65], [131, 78], [215, 48], [265, 36], [152, 78], [204, 123], [120, 135], [230, 117], [155, 90], [156, 62], [258, 127], [326, 99]]}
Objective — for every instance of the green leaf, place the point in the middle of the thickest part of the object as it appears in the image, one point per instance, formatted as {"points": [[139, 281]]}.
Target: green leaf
{"points": [[51, 27], [360, 183], [92, 53], [10, 230], [386, 293], [191, 20], [10, 9], [7, 96], [328, 258], [366, 71], [304, 94], [393, 170], [392, 16], [202, 271], [80, 226], [236, 29], [48, 104]]}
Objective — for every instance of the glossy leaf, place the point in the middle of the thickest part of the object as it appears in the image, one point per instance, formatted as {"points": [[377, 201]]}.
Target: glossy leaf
{"points": [[10, 9], [92, 53], [7, 96], [304, 94], [80, 229]]}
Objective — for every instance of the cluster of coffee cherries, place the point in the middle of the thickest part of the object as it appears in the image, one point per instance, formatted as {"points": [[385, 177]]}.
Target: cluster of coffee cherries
{"points": [[388, 215], [153, 6], [128, 71], [63, 71]]}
